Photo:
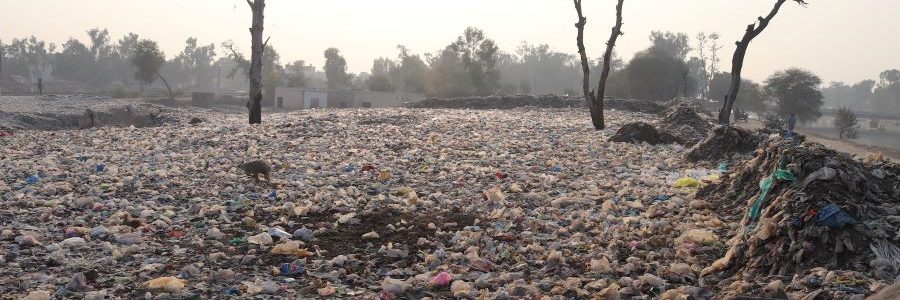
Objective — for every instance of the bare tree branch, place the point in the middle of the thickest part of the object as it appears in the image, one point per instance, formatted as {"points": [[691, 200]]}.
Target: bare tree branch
{"points": [[737, 62]]}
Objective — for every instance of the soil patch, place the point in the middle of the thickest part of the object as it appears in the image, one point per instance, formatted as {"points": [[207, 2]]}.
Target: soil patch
{"points": [[724, 143], [640, 132], [407, 229]]}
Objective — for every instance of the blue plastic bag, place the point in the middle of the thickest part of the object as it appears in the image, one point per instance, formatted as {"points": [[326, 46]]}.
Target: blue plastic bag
{"points": [[834, 217]]}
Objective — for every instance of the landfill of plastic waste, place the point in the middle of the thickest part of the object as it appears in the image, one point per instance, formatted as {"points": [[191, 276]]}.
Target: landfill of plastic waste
{"points": [[390, 204], [686, 122], [821, 220]]}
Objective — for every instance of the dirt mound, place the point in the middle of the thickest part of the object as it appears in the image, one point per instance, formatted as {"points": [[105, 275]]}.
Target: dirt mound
{"points": [[644, 106], [64, 112], [639, 132], [724, 142], [685, 121], [805, 206]]}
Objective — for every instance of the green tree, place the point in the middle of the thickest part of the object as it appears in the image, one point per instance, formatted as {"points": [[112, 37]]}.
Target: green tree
{"points": [[148, 60], [447, 77], [336, 70], [752, 97], [479, 56], [887, 94], [381, 79], [410, 73], [846, 124], [196, 63], [380, 83], [543, 69], [30, 58], [676, 45], [654, 76], [889, 77], [796, 91], [295, 74], [75, 62]]}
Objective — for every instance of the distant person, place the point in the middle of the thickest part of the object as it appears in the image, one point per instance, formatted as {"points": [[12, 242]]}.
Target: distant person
{"points": [[791, 122], [41, 86]]}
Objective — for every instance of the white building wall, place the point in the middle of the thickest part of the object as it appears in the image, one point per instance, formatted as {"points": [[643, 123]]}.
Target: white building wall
{"points": [[290, 98], [316, 99]]}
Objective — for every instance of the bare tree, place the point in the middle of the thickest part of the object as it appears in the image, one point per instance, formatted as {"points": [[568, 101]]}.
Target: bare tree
{"points": [[737, 62], [595, 100], [846, 124], [256, 56]]}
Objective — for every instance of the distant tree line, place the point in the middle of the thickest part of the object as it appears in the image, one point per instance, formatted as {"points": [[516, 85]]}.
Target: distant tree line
{"points": [[671, 66], [868, 95]]}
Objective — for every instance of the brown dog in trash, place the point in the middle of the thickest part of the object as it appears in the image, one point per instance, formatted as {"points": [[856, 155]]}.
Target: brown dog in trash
{"points": [[256, 168]]}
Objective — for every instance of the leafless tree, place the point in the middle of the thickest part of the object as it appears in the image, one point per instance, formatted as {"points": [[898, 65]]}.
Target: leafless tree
{"points": [[595, 100], [256, 56], [737, 62]]}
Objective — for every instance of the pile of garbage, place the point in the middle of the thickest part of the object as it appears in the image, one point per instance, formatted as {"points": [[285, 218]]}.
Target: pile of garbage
{"points": [[686, 121], [59, 112], [442, 203], [820, 220], [726, 143], [641, 132], [362, 204]]}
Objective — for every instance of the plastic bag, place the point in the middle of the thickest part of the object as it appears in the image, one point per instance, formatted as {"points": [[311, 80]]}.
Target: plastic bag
{"points": [[687, 182]]}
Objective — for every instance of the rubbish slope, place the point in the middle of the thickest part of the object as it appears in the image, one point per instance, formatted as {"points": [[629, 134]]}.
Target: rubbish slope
{"points": [[808, 210]]}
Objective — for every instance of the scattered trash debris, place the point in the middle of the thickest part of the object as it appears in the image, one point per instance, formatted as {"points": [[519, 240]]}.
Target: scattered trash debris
{"points": [[493, 204]]}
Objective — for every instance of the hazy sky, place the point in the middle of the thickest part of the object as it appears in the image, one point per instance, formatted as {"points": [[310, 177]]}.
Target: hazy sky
{"points": [[845, 40]]}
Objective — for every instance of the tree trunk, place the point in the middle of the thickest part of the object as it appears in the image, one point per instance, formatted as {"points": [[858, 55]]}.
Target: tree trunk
{"points": [[256, 55], [595, 101], [607, 60], [596, 114], [171, 94], [737, 62]]}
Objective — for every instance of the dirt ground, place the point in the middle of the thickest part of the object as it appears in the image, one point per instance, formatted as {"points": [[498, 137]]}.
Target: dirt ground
{"points": [[839, 145]]}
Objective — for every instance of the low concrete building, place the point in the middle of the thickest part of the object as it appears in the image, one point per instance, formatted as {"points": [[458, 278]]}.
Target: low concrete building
{"points": [[300, 98]]}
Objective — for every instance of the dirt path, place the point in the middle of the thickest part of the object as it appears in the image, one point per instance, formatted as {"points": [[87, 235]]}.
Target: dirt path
{"points": [[839, 145]]}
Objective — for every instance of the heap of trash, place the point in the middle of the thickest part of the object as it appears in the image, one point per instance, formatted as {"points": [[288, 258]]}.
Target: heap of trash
{"points": [[812, 220], [727, 143], [686, 122], [395, 204]]}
